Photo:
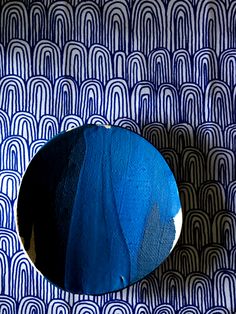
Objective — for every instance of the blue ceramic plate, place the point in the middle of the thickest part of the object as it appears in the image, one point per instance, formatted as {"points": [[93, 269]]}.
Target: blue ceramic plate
{"points": [[104, 207]]}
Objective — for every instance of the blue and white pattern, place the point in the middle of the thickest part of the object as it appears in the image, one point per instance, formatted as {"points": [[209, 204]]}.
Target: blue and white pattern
{"points": [[164, 69]]}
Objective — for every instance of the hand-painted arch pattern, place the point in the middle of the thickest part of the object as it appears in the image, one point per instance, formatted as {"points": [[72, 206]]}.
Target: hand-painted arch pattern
{"points": [[177, 91]]}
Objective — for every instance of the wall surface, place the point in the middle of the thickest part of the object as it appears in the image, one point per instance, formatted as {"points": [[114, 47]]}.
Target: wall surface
{"points": [[164, 69]]}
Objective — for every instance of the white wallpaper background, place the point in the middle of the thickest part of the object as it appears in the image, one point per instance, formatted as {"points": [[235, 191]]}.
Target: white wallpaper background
{"points": [[164, 69]]}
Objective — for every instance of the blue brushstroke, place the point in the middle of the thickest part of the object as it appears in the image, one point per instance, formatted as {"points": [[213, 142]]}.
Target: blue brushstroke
{"points": [[125, 190], [97, 257]]}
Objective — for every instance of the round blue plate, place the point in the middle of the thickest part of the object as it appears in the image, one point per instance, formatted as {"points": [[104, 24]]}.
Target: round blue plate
{"points": [[104, 207]]}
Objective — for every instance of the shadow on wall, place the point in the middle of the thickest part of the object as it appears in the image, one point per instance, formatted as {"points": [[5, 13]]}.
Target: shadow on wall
{"points": [[205, 175]]}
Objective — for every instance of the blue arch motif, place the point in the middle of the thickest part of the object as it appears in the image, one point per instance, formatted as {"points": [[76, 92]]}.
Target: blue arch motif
{"points": [[175, 64]]}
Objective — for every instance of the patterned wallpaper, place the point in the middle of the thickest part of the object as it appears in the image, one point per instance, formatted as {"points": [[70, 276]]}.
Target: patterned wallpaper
{"points": [[164, 69]]}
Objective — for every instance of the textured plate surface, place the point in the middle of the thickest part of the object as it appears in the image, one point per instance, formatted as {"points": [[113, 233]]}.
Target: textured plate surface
{"points": [[104, 206]]}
